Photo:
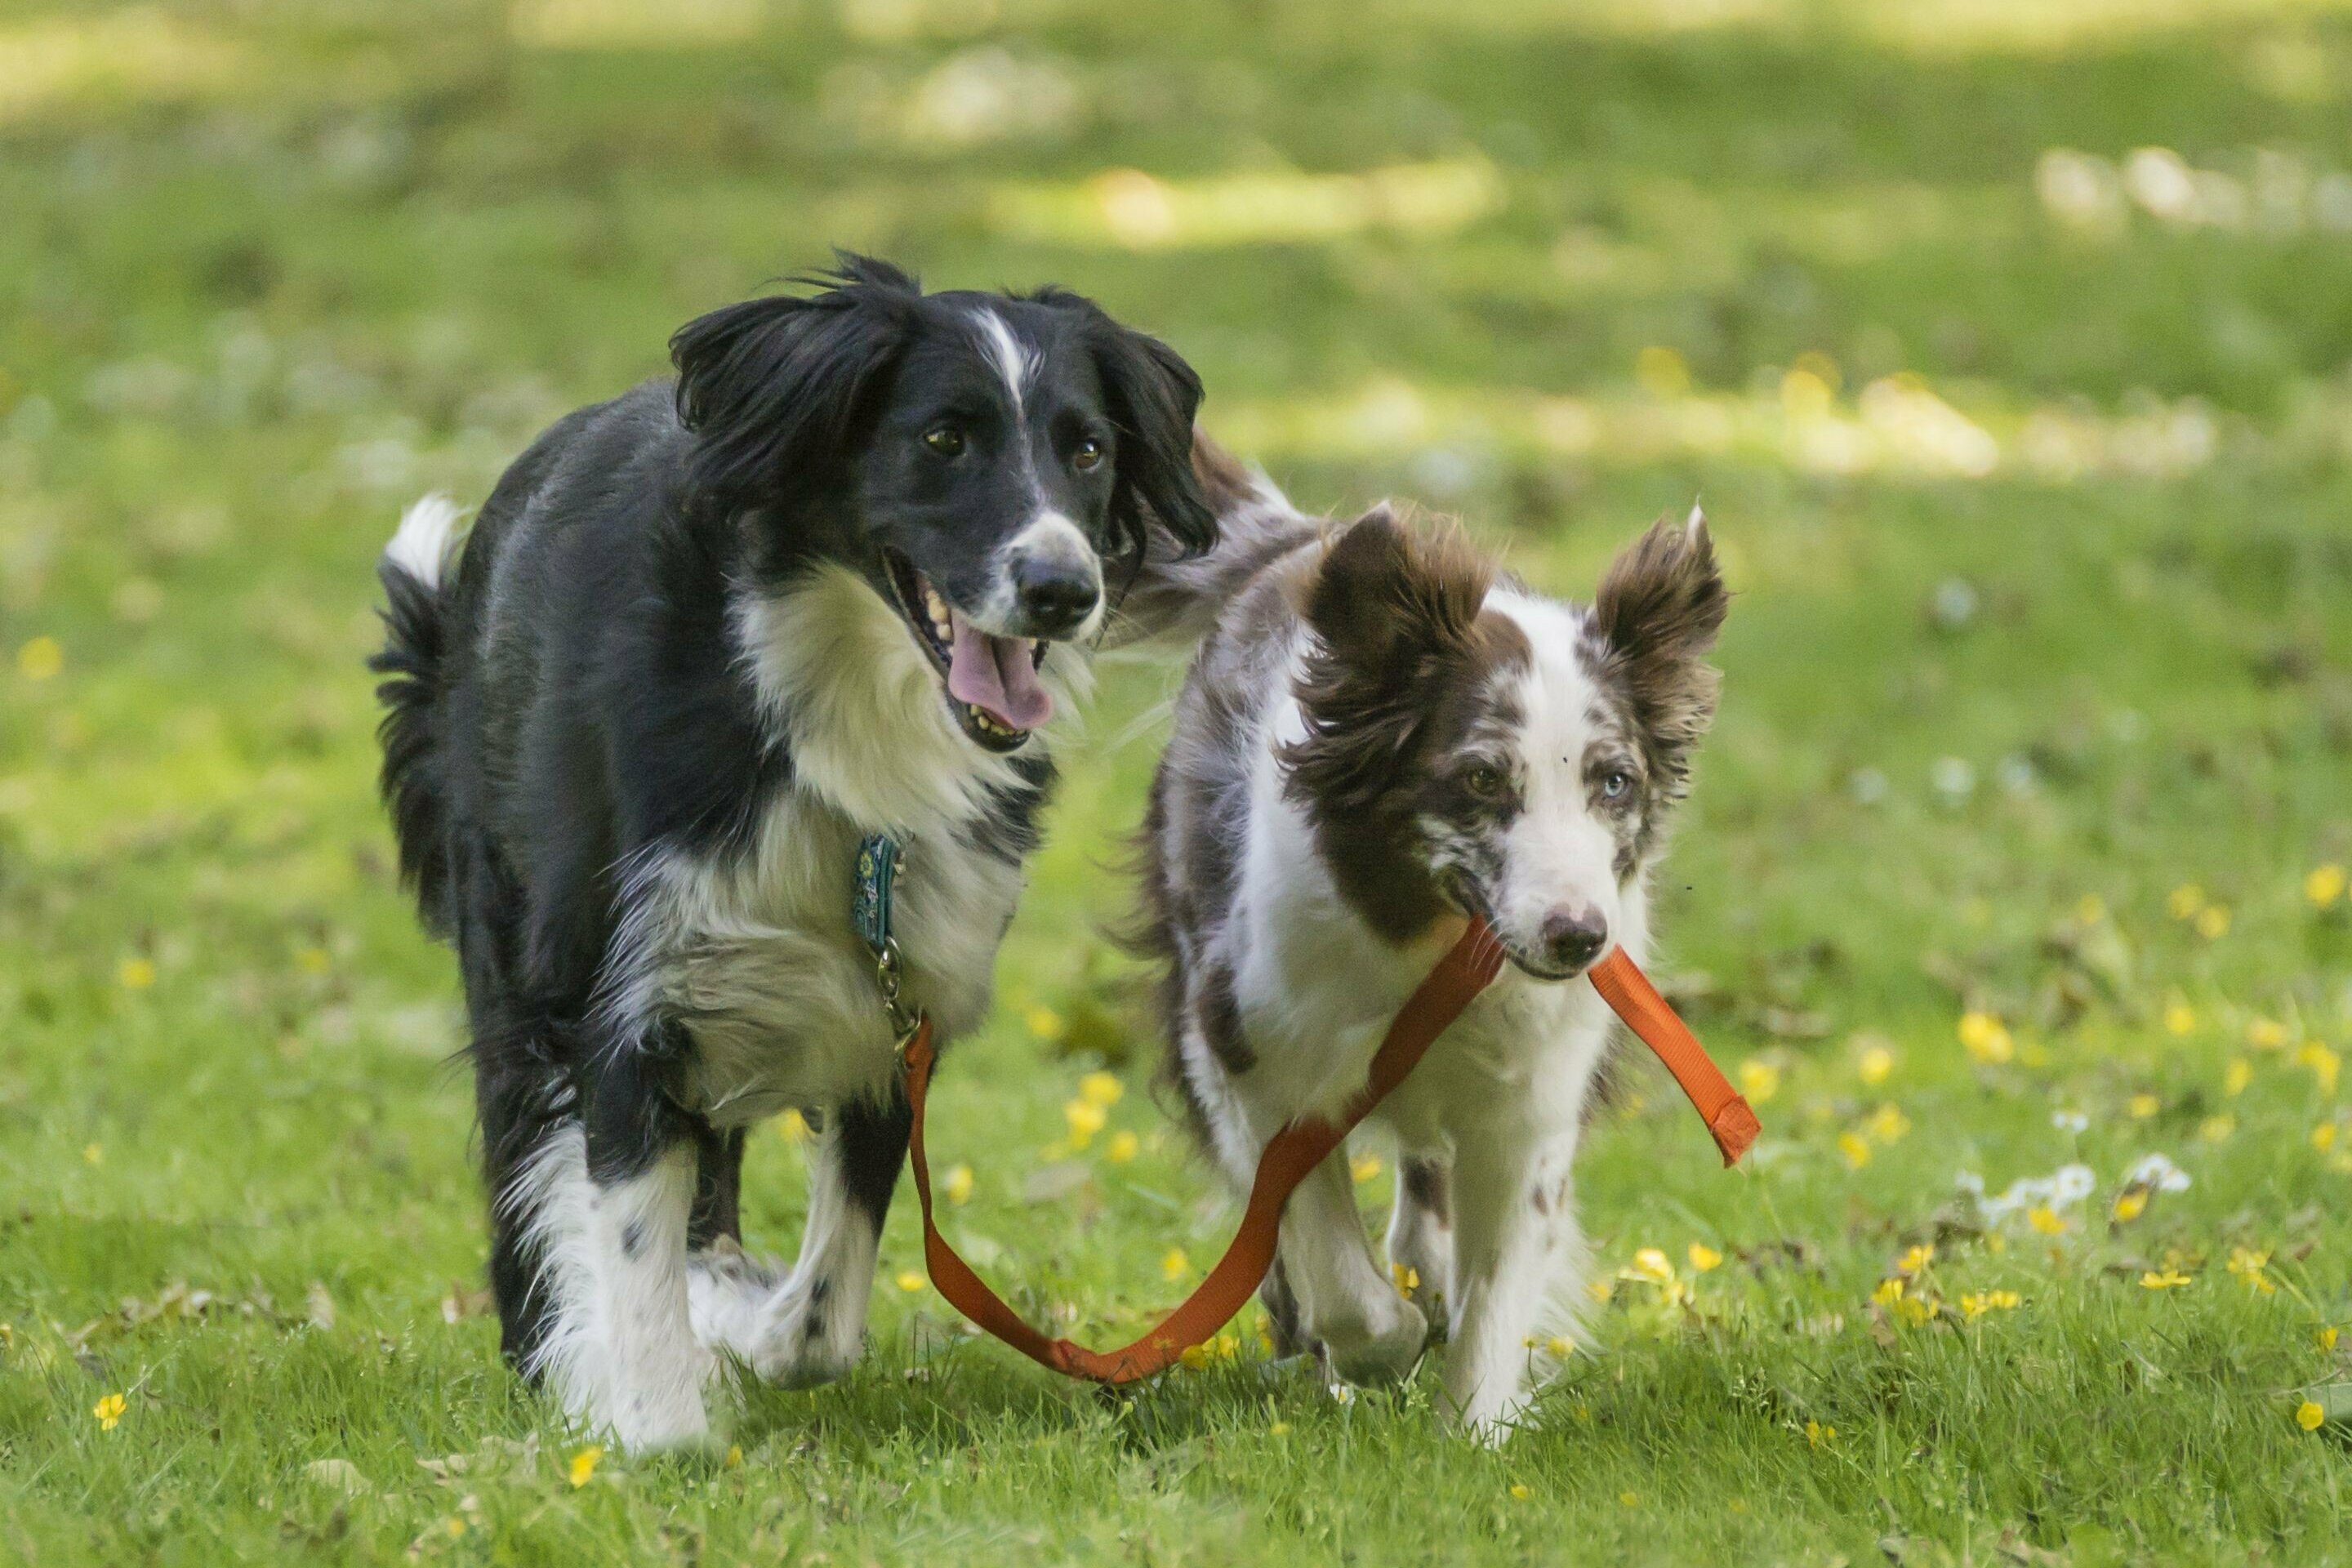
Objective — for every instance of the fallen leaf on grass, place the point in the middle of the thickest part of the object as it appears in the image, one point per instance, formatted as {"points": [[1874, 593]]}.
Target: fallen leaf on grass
{"points": [[1051, 1184], [318, 1306], [337, 1475]]}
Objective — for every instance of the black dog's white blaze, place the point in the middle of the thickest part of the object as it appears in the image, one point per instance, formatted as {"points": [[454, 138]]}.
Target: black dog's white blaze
{"points": [[701, 641]]}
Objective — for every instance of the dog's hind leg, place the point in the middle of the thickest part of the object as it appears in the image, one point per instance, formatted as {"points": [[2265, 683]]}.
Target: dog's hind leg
{"points": [[810, 1327]]}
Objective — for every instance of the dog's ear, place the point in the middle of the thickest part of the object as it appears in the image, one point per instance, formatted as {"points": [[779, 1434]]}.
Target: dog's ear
{"points": [[1387, 601], [1659, 607], [1390, 609], [772, 388], [1153, 397]]}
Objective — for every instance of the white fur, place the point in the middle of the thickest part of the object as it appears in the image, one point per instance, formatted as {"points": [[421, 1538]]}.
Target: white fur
{"points": [[421, 546], [863, 708], [807, 1327], [1013, 359], [1501, 1095], [614, 1353]]}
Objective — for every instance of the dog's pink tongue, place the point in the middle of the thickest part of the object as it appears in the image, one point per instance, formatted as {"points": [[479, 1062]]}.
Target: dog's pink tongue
{"points": [[998, 674]]}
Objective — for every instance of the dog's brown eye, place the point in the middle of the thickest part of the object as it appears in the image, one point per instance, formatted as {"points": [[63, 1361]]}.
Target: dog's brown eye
{"points": [[1089, 453], [944, 439], [1483, 782], [1614, 786]]}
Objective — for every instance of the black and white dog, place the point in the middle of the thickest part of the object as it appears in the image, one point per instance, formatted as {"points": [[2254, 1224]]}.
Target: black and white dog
{"points": [[701, 641], [1381, 737]]}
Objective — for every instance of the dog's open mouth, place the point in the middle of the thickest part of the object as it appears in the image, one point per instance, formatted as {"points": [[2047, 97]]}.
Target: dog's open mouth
{"points": [[991, 682]]}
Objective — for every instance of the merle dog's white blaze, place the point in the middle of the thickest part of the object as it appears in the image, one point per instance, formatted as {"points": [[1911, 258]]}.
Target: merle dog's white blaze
{"points": [[1557, 856]]}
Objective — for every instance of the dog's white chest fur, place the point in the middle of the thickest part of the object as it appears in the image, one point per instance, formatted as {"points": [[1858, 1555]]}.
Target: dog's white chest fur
{"points": [[754, 953]]}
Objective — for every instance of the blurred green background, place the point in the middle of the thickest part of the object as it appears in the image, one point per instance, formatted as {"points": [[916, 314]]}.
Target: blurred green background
{"points": [[2008, 346]]}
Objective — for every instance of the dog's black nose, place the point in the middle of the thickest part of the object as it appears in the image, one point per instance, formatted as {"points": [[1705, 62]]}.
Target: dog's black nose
{"points": [[1574, 938], [1056, 594]]}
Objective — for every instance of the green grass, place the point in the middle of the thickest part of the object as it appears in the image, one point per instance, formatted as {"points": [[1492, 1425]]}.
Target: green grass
{"points": [[269, 271]]}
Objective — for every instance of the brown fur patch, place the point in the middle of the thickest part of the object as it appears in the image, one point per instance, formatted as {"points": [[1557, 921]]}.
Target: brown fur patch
{"points": [[1404, 653], [1657, 613], [1223, 478]]}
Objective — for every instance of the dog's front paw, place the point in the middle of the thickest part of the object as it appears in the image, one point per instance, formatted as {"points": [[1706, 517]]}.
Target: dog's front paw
{"points": [[806, 1335], [725, 1292], [1379, 1349]]}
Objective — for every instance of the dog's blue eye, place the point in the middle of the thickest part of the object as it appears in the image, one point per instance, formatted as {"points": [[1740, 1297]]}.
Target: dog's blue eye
{"points": [[1614, 786], [944, 439], [1088, 454]]}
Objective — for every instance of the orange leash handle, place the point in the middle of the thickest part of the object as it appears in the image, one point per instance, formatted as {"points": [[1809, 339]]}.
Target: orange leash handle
{"points": [[1468, 968], [1728, 1116]]}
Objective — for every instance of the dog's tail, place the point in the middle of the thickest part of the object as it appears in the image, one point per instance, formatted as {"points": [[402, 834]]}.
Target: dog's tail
{"points": [[1175, 598], [414, 569]]}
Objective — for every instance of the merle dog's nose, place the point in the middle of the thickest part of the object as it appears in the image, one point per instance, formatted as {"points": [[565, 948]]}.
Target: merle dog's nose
{"points": [[1574, 938], [1056, 594]]}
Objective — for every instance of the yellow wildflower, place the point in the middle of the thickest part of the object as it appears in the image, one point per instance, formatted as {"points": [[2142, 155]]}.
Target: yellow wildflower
{"points": [[1651, 1263], [2142, 1106], [1045, 1023], [1912, 1311], [1856, 1152], [2216, 1129], [1559, 1346], [1519, 1492], [2249, 1266], [1362, 1168], [792, 1126], [93, 1154], [2044, 1218], [2131, 1204], [2323, 1137], [109, 1411], [1407, 1279], [1122, 1147], [1629, 1500], [2309, 1415], [41, 658], [1985, 1038], [2165, 1279], [957, 1184], [1875, 1064], [1888, 1124], [1890, 1291], [2237, 1076], [734, 1455], [2324, 885], [2183, 902], [135, 973], [2179, 1018], [1101, 1088], [583, 1464], [1760, 1080], [2323, 1063], [1977, 1303], [1173, 1263], [2213, 921], [1918, 1259], [2327, 1336], [1704, 1257], [1816, 1434], [1085, 1118], [2090, 910], [2265, 1034], [1279, 1429], [1601, 1290], [909, 1280]]}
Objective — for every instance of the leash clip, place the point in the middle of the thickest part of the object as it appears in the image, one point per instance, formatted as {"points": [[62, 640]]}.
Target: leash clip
{"points": [[888, 971]]}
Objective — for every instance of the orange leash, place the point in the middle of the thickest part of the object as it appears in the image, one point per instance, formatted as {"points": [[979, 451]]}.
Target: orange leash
{"points": [[1466, 970]]}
